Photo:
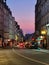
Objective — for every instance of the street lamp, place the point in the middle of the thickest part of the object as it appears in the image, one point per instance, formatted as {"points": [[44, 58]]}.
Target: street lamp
{"points": [[44, 32], [41, 37]]}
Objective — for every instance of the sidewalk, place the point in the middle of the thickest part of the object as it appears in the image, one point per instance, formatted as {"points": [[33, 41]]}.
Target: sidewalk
{"points": [[42, 50]]}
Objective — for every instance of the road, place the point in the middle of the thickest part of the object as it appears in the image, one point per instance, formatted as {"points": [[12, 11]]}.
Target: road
{"points": [[23, 57]]}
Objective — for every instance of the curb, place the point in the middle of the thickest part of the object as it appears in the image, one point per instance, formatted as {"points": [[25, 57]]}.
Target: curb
{"points": [[42, 50]]}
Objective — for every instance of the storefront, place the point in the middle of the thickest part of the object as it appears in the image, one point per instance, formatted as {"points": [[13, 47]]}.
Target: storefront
{"points": [[44, 38]]}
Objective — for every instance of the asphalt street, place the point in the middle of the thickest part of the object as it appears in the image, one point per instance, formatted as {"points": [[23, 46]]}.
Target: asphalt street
{"points": [[23, 57]]}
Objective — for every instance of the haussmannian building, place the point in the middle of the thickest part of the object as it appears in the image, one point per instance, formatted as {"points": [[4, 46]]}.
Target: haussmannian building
{"points": [[8, 24], [6, 21], [38, 16], [19, 32], [42, 17]]}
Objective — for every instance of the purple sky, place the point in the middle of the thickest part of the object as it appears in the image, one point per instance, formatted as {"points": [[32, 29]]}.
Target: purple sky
{"points": [[24, 13]]}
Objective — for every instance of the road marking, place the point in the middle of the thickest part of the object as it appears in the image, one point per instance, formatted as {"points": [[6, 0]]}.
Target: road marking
{"points": [[29, 58]]}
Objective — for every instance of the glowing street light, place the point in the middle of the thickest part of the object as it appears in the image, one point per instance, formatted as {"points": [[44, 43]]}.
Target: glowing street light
{"points": [[41, 37], [43, 32]]}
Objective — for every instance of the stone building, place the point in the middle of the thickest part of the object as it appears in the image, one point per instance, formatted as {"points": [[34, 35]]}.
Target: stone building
{"points": [[7, 22], [19, 33], [42, 17], [38, 17], [9, 28]]}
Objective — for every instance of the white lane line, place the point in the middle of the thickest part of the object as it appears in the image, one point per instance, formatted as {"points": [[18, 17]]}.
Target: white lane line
{"points": [[29, 58]]}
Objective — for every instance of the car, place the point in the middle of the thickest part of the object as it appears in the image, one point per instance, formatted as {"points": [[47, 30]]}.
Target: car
{"points": [[27, 45], [34, 45], [20, 45]]}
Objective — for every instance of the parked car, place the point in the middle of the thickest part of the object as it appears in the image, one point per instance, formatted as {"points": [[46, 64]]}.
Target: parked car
{"points": [[34, 45], [21, 45], [28, 45]]}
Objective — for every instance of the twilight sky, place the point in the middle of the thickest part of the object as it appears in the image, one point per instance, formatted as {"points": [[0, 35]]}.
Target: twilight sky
{"points": [[24, 13]]}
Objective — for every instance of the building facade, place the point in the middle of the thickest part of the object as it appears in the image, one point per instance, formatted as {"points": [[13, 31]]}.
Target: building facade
{"points": [[9, 28], [7, 21], [42, 18], [19, 33], [38, 16]]}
